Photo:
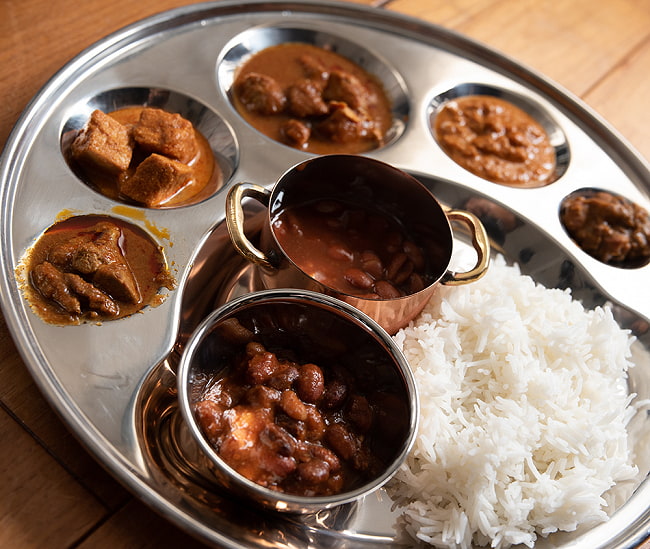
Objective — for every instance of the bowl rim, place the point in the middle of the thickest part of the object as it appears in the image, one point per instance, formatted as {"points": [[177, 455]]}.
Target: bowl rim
{"points": [[280, 500]]}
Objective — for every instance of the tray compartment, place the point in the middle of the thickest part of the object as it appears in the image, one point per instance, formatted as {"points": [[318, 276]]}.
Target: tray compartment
{"points": [[553, 129], [244, 45], [212, 126]]}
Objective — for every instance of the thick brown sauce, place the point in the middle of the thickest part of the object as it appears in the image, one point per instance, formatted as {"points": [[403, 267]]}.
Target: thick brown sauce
{"points": [[206, 175], [608, 227], [143, 257], [283, 64], [496, 140], [298, 427], [355, 250]]}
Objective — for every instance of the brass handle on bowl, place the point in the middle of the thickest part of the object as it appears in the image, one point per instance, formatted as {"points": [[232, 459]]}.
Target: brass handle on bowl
{"points": [[235, 221], [480, 242]]}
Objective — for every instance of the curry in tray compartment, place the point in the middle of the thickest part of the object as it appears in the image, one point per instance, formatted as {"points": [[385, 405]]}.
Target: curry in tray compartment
{"points": [[496, 140], [607, 226], [313, 99], [145, 156], [93, 268]]}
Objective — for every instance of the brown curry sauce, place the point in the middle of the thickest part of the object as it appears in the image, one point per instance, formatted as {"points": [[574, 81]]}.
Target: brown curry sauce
{"points": [[201, 178], [93, 268], [496, 140], [609, 227], [313, 99]]}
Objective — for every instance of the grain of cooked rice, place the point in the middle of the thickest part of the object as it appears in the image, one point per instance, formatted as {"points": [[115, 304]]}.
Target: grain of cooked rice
{"points": [[524, 406]]}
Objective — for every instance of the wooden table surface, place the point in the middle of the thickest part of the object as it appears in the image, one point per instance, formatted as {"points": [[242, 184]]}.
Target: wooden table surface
{"points": [[52, 493]]}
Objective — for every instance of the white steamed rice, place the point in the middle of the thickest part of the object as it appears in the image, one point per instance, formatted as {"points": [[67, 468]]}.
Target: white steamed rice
{"points": [[524, 407]]}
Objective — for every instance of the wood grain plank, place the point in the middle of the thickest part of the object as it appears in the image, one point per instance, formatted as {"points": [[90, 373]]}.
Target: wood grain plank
{"points": [[622, 98], [137, 526], [441, 12], [40, 504], [20, 394], [574, 43], [581, 44], [32, 47]]}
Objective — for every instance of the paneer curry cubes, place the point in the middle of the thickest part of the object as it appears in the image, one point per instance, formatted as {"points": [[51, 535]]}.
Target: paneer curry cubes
{"points": [[149, 152], [105, 143]]}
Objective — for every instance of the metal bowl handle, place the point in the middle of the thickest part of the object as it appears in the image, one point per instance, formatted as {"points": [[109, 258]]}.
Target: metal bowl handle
{"points": [[235, 221], [481, 244]]}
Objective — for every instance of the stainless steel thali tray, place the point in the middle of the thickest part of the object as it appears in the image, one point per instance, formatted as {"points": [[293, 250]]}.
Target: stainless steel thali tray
{"points": [[114, 384]]}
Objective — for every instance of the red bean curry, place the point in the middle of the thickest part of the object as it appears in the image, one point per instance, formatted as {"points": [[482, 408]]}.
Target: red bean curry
{"points": [[352, 249], [296, 426]]}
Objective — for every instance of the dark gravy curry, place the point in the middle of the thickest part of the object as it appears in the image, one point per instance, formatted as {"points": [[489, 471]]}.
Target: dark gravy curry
{"points": [[496, 140], [312, 99], [93, 268]]}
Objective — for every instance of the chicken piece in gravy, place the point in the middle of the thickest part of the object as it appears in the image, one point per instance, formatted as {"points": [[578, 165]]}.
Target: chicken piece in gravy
{"points": [[93, 268]]}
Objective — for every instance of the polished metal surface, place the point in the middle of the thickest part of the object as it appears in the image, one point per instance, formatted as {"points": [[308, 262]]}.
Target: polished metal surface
{"points": [[312, 322], [358, 180], [120, 399]]}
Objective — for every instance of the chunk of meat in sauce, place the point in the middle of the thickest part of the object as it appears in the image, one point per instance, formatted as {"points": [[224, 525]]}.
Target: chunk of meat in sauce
{"points": [[52, 285], [117, 280], [313, 68], [93, 268], [295, 133], [305, 98], [261, 94], [346, 88], [89, 250], [343, 125], [156, 180], [144, 154], [69, 289], [97, 252], [166, 133], [255, 447], [104, 142], [288, 92], [608, 227], [283, 438]]}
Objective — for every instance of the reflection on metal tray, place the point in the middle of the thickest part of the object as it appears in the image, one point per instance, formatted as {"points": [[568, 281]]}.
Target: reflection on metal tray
{"points": [[120, 399]]}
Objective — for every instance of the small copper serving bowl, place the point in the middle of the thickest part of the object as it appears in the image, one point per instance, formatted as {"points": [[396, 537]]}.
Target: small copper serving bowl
{"points": [[360, 182], [314, 328]]}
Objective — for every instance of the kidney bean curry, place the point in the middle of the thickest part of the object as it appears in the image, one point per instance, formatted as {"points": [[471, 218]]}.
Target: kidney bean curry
{"points": [[313, 99], [295, 419], [356, 250]]}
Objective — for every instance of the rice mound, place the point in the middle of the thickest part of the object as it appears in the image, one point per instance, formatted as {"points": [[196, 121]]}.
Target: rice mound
{"points": [[524, 407]]}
